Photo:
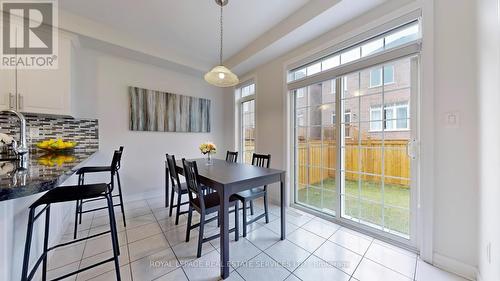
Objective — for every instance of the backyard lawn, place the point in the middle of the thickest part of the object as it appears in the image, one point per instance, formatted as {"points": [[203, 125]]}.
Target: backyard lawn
{"points": [[365, 206]]}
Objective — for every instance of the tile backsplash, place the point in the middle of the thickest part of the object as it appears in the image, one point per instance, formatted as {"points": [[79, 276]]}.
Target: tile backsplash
{"points": [[42, 127]]}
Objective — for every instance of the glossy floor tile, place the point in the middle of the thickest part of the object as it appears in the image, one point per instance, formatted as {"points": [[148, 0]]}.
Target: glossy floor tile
{"points": [[153, 247]]}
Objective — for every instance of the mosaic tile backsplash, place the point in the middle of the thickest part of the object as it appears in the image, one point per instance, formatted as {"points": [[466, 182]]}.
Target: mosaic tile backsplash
{"points": [[83, 131]]}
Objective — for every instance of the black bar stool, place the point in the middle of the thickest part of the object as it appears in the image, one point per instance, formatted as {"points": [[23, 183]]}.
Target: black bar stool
{"points": [[81, 181], [66, 194], [259, 160], [204, 205]]}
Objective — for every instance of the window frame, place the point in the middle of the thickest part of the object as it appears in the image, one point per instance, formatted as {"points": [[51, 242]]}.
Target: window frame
{"points": [[240, 101]]}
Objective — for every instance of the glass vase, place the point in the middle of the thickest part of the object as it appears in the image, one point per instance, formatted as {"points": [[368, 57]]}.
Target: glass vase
{"points": [[209, 159]]}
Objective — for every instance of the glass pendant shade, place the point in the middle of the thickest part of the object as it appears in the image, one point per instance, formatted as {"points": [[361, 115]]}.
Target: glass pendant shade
{"points": [[221, 76]]}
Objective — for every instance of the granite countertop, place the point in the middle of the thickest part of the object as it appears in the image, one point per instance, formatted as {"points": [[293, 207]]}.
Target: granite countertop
{"points": [[45, 171]]}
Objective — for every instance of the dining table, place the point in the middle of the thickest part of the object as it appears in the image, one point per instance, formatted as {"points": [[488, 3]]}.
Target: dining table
{"points": [[228, 178]]}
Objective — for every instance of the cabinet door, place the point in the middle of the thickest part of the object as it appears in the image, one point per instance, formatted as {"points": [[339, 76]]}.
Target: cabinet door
{"points": [[48, 91], [7, 88]]}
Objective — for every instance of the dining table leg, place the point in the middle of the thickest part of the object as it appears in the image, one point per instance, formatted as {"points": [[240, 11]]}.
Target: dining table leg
{"points": [[282, 211], [224, 232]]}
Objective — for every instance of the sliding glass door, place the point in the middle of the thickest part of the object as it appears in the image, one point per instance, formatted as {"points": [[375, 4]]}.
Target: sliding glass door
{"points": [[353, 144]]}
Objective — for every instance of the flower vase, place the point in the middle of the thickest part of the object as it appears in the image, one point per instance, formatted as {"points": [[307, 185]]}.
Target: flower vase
{"points": [[209, 159]]}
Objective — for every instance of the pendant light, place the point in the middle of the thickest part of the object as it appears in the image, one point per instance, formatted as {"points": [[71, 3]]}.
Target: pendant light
{"points": [[220, 75]]}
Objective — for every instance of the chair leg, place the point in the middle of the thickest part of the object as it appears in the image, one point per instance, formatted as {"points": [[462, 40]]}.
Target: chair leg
{"points": [[218, 219], [178, 210], [244, 219], [46, 243], [81, 211], [188, 229], [266, 207], [27, 245], [114, 235], [172, 192], [236, 221], [251, 207], [121, 198], [81, 201], [200, 234], [76, 219]]}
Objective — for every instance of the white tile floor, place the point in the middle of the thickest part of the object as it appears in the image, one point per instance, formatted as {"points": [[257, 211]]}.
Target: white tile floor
{"points": [[153, 248]]}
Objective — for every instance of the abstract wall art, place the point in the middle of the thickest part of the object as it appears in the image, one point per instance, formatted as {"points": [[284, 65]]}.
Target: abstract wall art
{"points": [[166, 112]]}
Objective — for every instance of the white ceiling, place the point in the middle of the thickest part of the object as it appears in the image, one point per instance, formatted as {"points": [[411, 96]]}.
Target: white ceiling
{"points": [[188, 27], [186, 32]]}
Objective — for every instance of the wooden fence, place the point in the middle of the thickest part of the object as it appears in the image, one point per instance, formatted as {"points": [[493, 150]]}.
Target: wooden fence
{"points": [[366, 158]]}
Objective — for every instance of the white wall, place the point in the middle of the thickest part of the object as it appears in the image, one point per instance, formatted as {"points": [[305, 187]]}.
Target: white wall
{"points": [[456, 150], [489, 131], [455, 177], [103, 82]]}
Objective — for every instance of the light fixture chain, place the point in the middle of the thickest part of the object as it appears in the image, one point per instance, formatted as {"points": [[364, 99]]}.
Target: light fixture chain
{"points": [[221, 36]]}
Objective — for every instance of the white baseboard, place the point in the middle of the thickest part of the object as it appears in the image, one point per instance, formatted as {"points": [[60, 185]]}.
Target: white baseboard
{"points": [[454, 266]]}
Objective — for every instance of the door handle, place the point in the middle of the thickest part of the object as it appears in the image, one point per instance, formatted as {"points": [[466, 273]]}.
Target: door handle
{"points": [[12, 101], [21, 101], [410, 149]]}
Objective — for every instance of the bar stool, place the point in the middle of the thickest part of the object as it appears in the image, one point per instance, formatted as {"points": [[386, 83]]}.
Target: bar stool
{"points": [[66, 194], [81, 181]]}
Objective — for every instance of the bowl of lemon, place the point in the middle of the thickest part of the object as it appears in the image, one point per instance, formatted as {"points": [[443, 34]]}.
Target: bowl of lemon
{"points": [[56, 145]]}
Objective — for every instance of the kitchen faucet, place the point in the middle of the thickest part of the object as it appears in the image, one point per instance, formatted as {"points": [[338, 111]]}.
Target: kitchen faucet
{"points": [[22, 149]]}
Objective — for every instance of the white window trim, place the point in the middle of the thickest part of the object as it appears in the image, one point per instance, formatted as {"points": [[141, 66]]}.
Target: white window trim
{"points": [[301, 93], [382, 77], [239, 107]]}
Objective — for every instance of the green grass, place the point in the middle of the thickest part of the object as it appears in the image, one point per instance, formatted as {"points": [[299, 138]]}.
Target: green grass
{"points": [[365, 205]]}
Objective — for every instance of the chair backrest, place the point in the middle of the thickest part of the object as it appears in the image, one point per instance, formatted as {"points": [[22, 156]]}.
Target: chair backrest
{"points": [[193, 186], [120, 160], [232, 156], [261, 160], [117, 155], [172, 169]]}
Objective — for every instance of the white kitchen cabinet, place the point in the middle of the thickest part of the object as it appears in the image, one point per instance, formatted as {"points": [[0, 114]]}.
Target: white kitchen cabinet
{"points": [[48, 91], [7, 89]]}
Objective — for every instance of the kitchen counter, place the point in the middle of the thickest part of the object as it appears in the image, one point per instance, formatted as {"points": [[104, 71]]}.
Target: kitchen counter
{"points": [[45, 171]]}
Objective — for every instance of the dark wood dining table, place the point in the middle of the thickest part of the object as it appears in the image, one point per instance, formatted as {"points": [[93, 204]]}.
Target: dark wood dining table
{"points": [[228, 178]]}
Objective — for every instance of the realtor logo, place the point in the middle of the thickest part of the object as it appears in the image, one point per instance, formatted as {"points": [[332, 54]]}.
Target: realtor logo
{"points": [[29, 34]]}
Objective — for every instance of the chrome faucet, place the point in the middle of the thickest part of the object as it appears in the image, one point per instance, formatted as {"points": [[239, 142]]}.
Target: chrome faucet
{"points": [[21, 149]]}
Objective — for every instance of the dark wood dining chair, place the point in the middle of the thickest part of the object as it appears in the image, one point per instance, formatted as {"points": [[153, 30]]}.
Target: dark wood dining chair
{"points": [[204, 204], [260, 160], [232, 156], [177, 188]]}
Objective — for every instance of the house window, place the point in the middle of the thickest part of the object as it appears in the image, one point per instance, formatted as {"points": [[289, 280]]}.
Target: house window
{"points": [[395, 117], [347, 121], [333, 86], [376, 76]]}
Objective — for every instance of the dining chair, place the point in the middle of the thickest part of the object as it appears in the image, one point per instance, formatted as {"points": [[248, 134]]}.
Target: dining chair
{"points": [[260, 160], [177, 188], [232, 156], [204, 204]]}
